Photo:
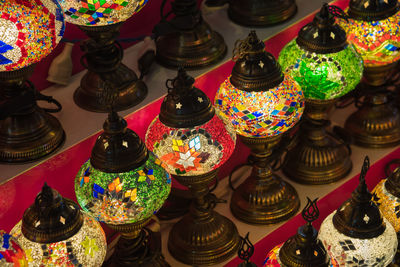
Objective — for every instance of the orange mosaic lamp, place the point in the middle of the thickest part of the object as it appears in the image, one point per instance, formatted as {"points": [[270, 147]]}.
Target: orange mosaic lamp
{"points": [[30, 30]]}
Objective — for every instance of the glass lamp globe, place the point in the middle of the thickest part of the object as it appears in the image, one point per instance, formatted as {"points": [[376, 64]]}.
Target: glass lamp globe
{"points": [[303, 249], [11, 253], [356, 233], [54, 232]]}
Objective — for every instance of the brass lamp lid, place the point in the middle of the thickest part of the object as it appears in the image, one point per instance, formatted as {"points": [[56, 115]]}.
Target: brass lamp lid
{"points": [[305, 249], [359, 217], [392, 183], [255, 69], [323, 35], [118, 148], [185, 106], [372, 10], [51, 218]]}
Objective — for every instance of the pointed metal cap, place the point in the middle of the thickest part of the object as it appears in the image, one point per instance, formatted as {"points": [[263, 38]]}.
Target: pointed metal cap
{"points": [[323, 35], [304, 249], [118, 148], [255, 69], [185, 106], [372, 10], [359, 217], [51, 218], [392, 183]]}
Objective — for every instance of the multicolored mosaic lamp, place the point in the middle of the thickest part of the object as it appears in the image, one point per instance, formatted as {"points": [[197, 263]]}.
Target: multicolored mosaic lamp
{"points": [[188, 40], [123, 185], [11, 253], [386, 196], [262, 103], [356, 234], [326, 67], [101, 21], [54, 232], [373, 28], [303, 249], [261, 12], [30, 30], [193, 141]]}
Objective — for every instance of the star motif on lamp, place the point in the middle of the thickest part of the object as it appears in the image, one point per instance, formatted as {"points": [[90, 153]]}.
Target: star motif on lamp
{"points": [[178, 106], [200, 99], [315, 35], [366, 4], [261, 64], [105, 145], [90, 246], [366, 218], [62, 220], [333, 35], [186, 160], [125, 144]]}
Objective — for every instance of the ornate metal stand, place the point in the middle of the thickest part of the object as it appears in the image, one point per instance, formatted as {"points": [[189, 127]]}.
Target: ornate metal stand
{"points": [[261, 13], [202, 237], [27, 132], [376, 123], [318, 157], [137, 247], [103, 60], [263, 198], [191, 42]]}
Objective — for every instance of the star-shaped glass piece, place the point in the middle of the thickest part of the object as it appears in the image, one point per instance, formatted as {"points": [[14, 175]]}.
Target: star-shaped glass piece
{"points": [[90, 246], [315, 35], [261, 64], [178, 106], [200, 99], [366, 218]]}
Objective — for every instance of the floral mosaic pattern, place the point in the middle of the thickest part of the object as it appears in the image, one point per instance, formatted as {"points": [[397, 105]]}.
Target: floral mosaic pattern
{"points": [[86, 248], [192, 151], [100, 12], [354, 252], [120, 198], [322, 76], [261, 114], [11, 254], [388, 204], [29, 31], [378, 42]]}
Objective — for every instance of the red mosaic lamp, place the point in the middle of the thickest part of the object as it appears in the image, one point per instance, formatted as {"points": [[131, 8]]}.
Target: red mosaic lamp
{"points": [[101, 21], [192, 139], [30, 31], [263, 104]]}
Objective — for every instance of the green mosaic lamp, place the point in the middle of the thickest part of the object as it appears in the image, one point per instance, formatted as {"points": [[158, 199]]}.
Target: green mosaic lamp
{"points": [[101, 21], [326, 67], [123, 185]]}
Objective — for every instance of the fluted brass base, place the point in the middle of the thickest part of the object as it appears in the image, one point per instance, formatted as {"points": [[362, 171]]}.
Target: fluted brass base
{"points": [[137, 247], [27, 132], [191, 48], [106, 73], [261, 13], [263, 198], [317, 157], [202, 237]]}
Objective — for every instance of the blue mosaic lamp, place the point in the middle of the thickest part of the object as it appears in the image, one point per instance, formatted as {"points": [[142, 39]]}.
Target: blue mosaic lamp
{"points": [[101, 21]]}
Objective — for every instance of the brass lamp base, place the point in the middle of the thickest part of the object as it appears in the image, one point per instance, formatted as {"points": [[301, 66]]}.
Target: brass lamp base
{"points": [[263, 198], [203, 236], [105, 72], [317, 157], [261, 13], [136, 247], [191, 48], [376, 123], [27, 132]]}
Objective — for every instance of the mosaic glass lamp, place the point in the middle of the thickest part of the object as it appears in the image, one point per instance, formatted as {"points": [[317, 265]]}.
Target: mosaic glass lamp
{"points": [[262, 103], [261, 13], [101, 21], [30, 30], [123, 185], [327, 67], [11, 253], [193, 141], [303, 249], [373, 28], [386, 195], [188, 41], [356, 234], [54, 232]]}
